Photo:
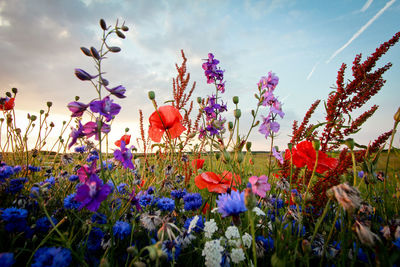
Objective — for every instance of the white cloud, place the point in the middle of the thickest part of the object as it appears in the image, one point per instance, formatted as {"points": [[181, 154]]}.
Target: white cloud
{"points": [[361, 30]]}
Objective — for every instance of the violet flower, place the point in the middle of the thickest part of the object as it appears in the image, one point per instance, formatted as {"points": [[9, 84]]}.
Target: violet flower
{"points": [[77, 108], [75, 134], [92, 193], [260, 185], [268, 125], [269, 82], [90, 129], [277, 155], [105, 107], [117, 91], [85, 172], [83, 75], [124, 156]]}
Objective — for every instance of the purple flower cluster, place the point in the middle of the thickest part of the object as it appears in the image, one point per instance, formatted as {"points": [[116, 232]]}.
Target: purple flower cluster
{"points": [[124, 156], [214, 75], [267, 86], [214, 120], [92, 193]]}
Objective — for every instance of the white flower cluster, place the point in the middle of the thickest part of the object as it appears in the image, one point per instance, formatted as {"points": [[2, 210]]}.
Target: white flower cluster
{"points": [[258, 211], [209, 228], [212, 252], [247, 240], [237, 255], [193, 223], [232, 232]]}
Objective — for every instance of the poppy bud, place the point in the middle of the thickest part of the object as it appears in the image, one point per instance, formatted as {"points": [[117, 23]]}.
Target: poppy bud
{"points": [[125, 28], [64, 122], [237, 113], [103, 24], [316, 144], [120, 34], [77, 98], [51, 124], [397, 116], [126, 129], [41, 112], [230, 126], [33, 117], [114, 49], [49, 104], [8, 94], [152, 95], [240, 157], [199, 100], [290, 146], [94, 53], [86, 51], [14, 90], [235, 99], [248, 146], [226, 155], [350, 143]]}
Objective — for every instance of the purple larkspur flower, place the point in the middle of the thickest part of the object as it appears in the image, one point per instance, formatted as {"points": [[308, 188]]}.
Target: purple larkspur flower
{"points": [[277, 155], [92, 193], [231, 204], [75, 134], [90, 129], [124, 156], [105, 107], [77, 108], [118, 91], [268, 125], [214, 74], [83, 75], [260, 185], [269, 82]]}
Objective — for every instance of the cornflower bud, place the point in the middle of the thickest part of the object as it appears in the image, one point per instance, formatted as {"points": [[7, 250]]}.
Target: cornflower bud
{"points": [[126, 129], [235, 99], [237, 113], [14, 90], [41, 111], [152, 95], [33, 117], [51, 124]]}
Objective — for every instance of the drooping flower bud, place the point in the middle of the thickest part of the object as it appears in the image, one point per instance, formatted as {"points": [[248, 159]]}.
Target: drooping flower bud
{"points": [[125, 28], [152, 95], [83, 75], [114, 49], [104, 81], [120, 34], [103, 24], [94, 53], [350, 143], [86, 51]]}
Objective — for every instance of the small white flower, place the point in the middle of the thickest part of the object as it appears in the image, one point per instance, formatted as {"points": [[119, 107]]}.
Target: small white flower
{"points": [[237, 255], [185, 240], [209, 228], [247, 240], [234, 243], [193, 223], [214, 210], [212, 252], [258, 211], [232, 232]]}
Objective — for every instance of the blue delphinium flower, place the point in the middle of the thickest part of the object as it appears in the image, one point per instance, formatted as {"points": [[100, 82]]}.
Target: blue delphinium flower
{"points": [[7, 259], [172, 249], [43, 224], [145, 200], [99, 218], [73, 178], [70, 203], [231, 204], [17, 169], [267, 243], [199, 224], [16, 185], [6, 171], [80, 149], [34, 168], [166, 204], [52, 256], [121, 229], [178, 194], [193, 201], [50, 181], [151, 190], [15, 219], [94, 240]]}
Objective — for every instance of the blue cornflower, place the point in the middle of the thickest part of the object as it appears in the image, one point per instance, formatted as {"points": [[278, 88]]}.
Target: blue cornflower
{"points": [[199, 224], [397, 243], [99, 218], [50, 181], [151, 190], [121, 188], [43, 224], [166, 204], [94, 240], [172, 249], [35, 191], [52, 256], [70, 203], [73, 178], [178, 194], [145, 200], [231, 204], [7, 259], [16, 185], [6, 171], [94, 155], [267, 243], [121, 229], [15, 219], [193, 201], [34, 168], [80, 149], [17, 169]]}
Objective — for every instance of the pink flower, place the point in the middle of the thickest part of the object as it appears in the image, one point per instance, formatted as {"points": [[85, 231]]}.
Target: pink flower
{"points": [[260, 185]]}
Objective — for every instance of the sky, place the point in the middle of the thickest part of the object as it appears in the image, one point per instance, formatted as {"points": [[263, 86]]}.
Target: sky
{"points": [[303, 42]]}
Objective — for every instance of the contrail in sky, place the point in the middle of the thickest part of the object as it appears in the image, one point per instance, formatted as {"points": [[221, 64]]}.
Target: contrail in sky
{"points": [[363, 28], [312, 71], [366, 6]]}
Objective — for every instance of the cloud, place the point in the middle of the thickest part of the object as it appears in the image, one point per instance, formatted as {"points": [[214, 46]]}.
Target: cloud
{"points": [[361, 30], [366, 5], [312, 71]]}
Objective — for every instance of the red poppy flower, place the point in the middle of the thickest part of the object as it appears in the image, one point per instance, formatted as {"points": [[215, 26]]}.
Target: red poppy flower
{"points": [[198, 163], [165, 118], [7, 103], [217, 183], [126, 138], [304, 154]]}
